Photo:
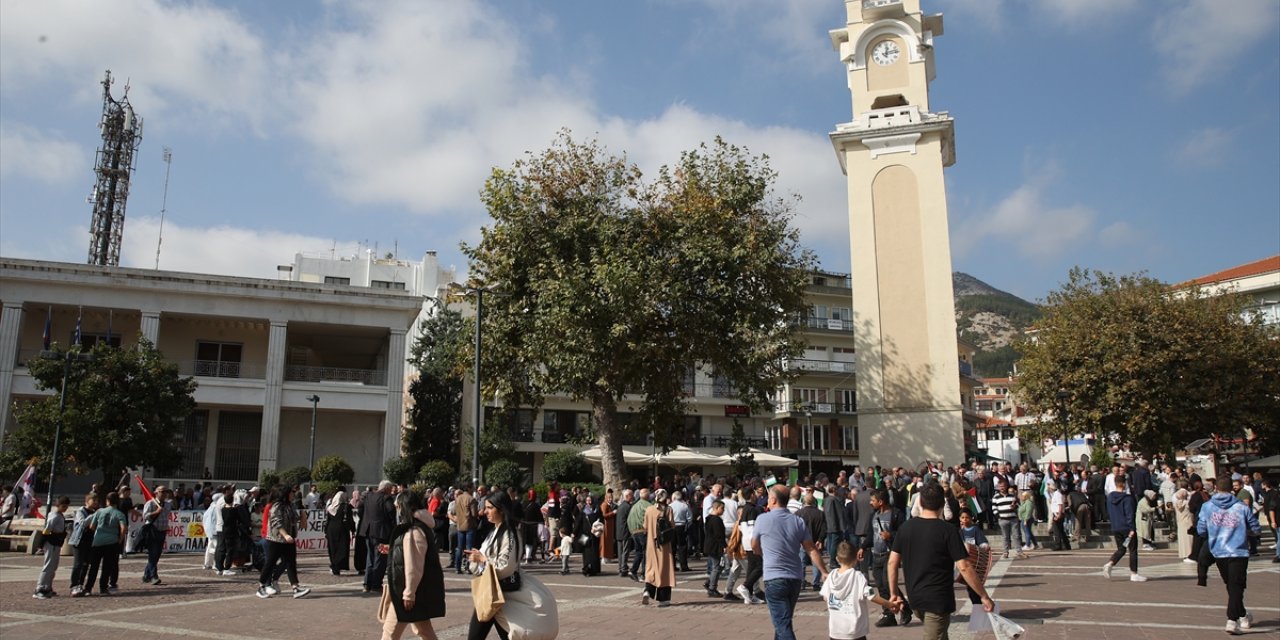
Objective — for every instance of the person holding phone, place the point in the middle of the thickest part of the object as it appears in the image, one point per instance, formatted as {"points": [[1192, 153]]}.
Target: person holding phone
{"points": [[282, 532]]}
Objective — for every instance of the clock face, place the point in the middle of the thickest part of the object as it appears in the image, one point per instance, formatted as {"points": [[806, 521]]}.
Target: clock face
{"points": [[885, 53]]}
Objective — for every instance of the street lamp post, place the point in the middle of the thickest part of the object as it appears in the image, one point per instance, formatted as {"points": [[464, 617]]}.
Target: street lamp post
{"points": [[67, 358], [315, 402], [808, 416], [475, 428], [1063, 397]]}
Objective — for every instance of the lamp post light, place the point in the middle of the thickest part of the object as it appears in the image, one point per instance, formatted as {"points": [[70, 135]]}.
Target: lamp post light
{"points": [[1063, 397], [315, 402], [479, 408], [67, 358], [808, 416]]}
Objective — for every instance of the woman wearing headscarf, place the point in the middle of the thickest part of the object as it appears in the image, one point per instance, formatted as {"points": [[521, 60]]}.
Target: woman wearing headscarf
{"points": [[530, 611], [1186, 522], [1146, 520], [660, 559], [338, 527], [414, 591], [588, 527], [609, 515], [356, 502]]}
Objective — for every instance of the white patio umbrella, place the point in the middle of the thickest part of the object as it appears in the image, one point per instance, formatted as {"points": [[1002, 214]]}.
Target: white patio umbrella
{"points": [[683, 456], [764, 459], [595, 454]]}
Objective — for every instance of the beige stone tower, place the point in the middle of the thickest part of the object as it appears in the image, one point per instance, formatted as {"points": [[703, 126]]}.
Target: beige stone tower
{"points": [[893, 152]]}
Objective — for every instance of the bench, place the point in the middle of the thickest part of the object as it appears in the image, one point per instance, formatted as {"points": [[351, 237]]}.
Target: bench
{"points": [[19, 534]]}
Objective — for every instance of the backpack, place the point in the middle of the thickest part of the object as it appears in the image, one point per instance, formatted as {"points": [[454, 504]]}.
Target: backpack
{"points": [[666, 531]]}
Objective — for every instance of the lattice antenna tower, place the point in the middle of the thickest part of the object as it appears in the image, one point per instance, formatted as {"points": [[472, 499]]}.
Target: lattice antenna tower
{"points": [[121, 135]]}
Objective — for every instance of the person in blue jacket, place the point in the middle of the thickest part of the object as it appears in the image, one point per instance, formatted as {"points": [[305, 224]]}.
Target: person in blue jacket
{"points": [[1123, 509], [1225, 522]]}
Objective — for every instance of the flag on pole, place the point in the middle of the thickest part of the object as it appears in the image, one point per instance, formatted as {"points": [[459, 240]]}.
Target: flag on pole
{"points": [[76, 338], [124, 480], [109, 318], [47, 340], [27, 482], [1050, 476], [144, 490]]}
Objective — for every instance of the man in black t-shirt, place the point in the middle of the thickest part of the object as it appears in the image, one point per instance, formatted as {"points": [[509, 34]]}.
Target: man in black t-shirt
{"points": [[928, 549]]}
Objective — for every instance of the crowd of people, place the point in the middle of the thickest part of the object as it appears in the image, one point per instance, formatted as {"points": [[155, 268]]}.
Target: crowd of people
{"points": [[891, 537]]}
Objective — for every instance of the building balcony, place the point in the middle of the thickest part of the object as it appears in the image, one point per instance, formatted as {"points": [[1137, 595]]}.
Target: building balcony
{"points": [[819, 366], [797, 408], [368, 377], [221, 369], [710, 390], [877, 9], [824, 324]]}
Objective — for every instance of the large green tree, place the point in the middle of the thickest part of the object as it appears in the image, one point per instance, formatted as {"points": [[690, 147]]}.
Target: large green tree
{"points": [[1150, 366], [439, 358], [612, 289], [124, 408]]}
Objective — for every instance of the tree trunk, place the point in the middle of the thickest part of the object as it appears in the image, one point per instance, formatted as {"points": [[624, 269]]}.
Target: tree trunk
{"points": [[604, 410]]}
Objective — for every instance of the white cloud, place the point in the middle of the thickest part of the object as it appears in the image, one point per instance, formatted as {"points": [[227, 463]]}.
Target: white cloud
{"points": [[1085, 12], [199, 54], [1206, 147], [1024, 222], [1118, 234], [221, 250], [1202, 37], [28, 153]]}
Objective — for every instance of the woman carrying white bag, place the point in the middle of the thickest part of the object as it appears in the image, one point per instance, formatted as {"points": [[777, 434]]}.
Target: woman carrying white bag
{"points": [[529, 609]]}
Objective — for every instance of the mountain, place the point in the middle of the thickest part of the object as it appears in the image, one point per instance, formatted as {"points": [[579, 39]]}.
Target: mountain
{"points": [[991, 320]]}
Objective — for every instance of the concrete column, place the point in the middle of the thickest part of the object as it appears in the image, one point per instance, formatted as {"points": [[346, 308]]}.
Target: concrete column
{"points": [[394, 422], [10, 333], [269, 445], [151, 327]]}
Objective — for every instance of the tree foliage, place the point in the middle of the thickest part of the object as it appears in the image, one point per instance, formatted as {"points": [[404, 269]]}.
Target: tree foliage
{"points": [[437, 473], [399, 470], [566, 465], [744, 462], [504, 473], [609, 286], [1151, 367], [124, 408], [295, 476], [435, 413], [333, 468]]}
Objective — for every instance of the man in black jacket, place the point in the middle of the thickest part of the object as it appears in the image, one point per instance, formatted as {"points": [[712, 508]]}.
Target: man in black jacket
{"points": [[622, 533], [816, 522], [1095, 488], [376, 519], [859, 517], [833, 511]]}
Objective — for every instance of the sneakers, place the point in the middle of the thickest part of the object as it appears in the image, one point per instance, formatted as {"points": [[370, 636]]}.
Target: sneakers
{"points": [[232, 572], [755, 600], [1246, 622], [77, 592], [644, 599], [712, 593], [157, 582], [887, 621], [272, 589], [744, 594], [664, 603], [41, 595], [300, 591], [1233, 627], [1106, 570], [904, 619], [1147, 547], [263, 593], [1188, 561], [1135, 577]]}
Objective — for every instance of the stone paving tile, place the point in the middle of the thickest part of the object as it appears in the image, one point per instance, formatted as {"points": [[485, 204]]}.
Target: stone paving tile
{"points": [[1055, 595]]}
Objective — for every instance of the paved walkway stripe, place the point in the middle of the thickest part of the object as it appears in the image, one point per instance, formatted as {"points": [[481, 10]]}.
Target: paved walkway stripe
{"points": [[1091, 603]]}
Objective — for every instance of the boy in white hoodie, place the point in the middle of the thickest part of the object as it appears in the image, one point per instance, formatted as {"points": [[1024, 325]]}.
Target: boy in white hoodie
{"points": [[846, 593]]}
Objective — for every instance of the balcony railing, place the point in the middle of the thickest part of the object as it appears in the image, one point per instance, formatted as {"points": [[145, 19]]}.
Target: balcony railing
{"points": [[821, 366], [709, 390], [221, 369], [827, 324], [816, 408], [300, 373]]}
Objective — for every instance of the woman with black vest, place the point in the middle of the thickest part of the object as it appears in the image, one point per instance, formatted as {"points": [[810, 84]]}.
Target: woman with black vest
{"points": [[414, 591]]}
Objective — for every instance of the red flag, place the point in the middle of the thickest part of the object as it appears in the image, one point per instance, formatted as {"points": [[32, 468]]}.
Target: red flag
{"points": [[146, 493]]}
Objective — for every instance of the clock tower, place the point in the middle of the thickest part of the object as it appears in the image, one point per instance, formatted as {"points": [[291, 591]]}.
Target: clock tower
{"points": [[893, 152]]}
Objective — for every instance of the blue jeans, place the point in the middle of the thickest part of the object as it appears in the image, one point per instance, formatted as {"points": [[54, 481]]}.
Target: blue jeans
{"points": [[833, 541], [781, 595], [464, 539], [151, 572], [638, 542], [714, 565]]}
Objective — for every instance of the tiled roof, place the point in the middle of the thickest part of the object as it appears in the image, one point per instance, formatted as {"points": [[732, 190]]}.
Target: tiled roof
{"points": [[1265, 265]]}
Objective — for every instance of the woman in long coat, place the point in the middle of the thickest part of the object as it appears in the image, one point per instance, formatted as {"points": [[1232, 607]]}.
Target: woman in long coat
{"points": [[1146, 519], [338, 527], [608, 509], [660, 560], [414, 591], [587, 526], [1186, 521]]}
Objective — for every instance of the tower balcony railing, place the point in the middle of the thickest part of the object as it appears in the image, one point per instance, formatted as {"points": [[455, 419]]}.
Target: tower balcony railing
{"points": [[301, 373], [819, 366]]}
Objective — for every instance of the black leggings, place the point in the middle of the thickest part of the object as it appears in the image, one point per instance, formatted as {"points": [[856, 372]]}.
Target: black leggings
{"points": [[480, 630], [287, 556]]}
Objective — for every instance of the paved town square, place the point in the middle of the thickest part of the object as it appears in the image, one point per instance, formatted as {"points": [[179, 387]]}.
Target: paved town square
{"points": [[1054, 595]]}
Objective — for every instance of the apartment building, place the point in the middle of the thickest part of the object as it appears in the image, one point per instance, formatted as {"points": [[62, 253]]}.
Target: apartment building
{"points": [[1260, 280], [258, 349]]}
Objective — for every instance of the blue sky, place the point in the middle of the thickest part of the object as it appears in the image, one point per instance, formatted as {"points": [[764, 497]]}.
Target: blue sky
{"points": [[1112, 134]]}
